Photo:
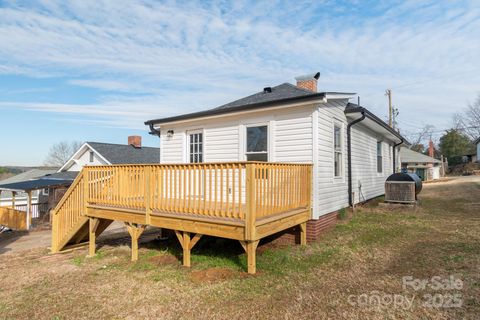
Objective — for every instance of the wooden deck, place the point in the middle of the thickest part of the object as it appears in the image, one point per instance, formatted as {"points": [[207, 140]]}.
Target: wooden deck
{"points": [[245, 201]]}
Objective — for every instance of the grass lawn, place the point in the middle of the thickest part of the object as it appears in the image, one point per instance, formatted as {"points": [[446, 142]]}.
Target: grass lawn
{"points": [[364, 257]]}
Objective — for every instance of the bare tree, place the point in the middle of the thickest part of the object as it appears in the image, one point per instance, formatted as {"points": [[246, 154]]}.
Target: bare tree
{"points": [[60, 152], [471, 120], [419, 139], [457, 121]]}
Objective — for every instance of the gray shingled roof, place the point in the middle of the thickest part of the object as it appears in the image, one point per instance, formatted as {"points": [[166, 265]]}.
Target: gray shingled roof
{"points": [[64, 175], [28, 175], [34, 184], [126, 154], [283, 91], [410, 156], [281, 94]]}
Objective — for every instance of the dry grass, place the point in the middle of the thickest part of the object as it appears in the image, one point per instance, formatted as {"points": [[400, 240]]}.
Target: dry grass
{"points": [[372, 251]]}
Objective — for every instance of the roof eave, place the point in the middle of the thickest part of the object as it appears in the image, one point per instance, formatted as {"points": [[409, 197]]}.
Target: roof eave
{"points": [[339, 95], [248, 107], [377, 120]]}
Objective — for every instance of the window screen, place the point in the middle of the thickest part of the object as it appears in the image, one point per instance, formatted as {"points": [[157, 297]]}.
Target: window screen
{"points": [[257, 143]]}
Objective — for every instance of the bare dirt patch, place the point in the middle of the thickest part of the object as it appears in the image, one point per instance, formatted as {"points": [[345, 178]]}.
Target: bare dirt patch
{"points": [[163, 260], [215, 275]]}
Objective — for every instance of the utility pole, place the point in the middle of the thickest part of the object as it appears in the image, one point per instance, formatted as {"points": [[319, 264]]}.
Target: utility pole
{"points": [[388, 93]]}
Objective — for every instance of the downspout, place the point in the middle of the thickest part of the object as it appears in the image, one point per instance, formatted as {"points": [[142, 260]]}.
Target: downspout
{"points": [[394, 157], [154, 131], [349, 155]]}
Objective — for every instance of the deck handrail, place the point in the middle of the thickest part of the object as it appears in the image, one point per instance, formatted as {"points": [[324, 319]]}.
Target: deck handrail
{"points": [[219, 189], [241, 192], [68, 213], [65, 196]]}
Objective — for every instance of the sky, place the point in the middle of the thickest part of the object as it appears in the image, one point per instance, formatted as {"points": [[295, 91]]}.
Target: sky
{"points": [[96, 70]]}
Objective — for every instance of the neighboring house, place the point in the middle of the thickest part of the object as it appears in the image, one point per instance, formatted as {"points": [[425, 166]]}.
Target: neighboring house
{"points": [[469, 157], [39, 196], [426, 167], [352, 150], [99, 153], [49, 186]]}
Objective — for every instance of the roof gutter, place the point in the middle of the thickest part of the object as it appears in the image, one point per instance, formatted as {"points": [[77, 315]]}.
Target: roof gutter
{"points": [[153, 131], [375, 119], [349, 155]]}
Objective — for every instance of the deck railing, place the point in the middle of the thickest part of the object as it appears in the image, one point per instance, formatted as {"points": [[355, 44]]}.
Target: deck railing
{"points": [[69, 213], [223, 190], [245, 192]]}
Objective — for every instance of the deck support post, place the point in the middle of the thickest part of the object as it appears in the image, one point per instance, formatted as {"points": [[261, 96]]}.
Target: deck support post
{"points": [[250, 248], [303, 233], [186, 249], [135, 231], [187, 243], [92, 235]]}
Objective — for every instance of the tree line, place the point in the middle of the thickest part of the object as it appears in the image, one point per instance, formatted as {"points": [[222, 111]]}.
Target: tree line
{"points": [[455, 142]]}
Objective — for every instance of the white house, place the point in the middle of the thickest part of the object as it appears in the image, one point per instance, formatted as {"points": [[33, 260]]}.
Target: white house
{"points": [[100, 153], [352, 150], [426, 167]]}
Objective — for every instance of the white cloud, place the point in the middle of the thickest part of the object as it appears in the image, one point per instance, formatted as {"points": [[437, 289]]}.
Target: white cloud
{"points": [[187, 56]]}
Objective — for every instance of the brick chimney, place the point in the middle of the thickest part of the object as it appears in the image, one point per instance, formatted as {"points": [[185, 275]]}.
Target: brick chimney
{"points": [[308, 82], [135, 141], [430, 148]]}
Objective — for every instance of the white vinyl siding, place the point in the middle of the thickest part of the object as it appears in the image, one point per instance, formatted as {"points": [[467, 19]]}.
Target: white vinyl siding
{"points": [[331, 192], [289, 137], [171, 150], [367, 182], [293, 137]]}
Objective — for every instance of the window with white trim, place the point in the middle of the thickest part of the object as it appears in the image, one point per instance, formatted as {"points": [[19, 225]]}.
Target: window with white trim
{"points": [[45, 191], [257, 143], [91, 156], [379, 157], [195, 147], [337, 150]]}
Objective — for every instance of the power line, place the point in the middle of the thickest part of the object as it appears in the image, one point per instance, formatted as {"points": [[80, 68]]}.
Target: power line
{"points": [[443, 130]]}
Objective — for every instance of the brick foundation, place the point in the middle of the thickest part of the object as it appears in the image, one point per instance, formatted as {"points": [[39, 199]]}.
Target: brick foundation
{"points": [[315, 229]]}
